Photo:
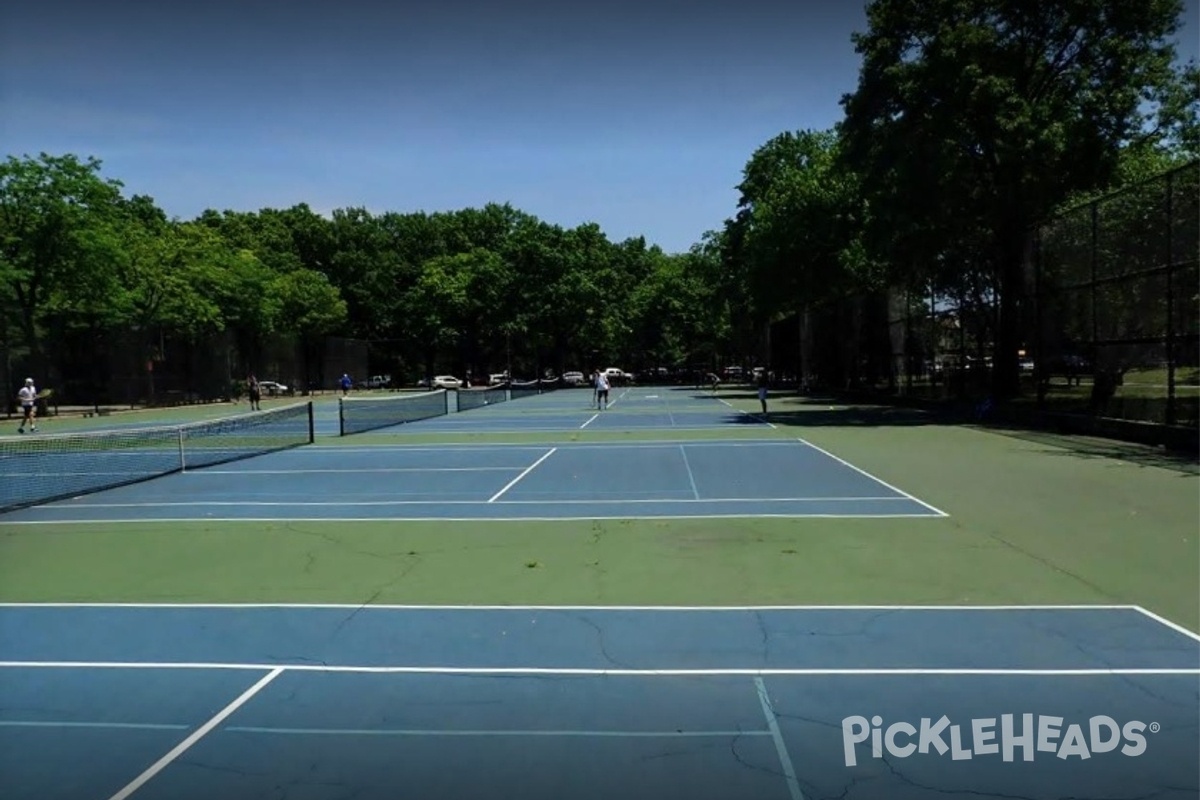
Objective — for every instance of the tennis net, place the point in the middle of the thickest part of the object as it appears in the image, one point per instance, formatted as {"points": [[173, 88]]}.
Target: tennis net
{"points": [[477, 398], [531, 388], [359, 414], [41, 469]]}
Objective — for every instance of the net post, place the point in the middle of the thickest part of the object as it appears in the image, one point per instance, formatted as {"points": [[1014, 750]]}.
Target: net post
{"points": [[182, 460], [312, 428], [341, 417]]}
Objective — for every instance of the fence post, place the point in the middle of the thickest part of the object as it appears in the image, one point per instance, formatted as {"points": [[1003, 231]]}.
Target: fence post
{"points": [[906, 343], [1095, 255], [1170, 415], [1039, 351]]}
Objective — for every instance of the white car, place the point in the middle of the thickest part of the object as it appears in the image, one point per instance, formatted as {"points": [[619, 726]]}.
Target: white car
{"points": [[573, 378], [446, 382]]}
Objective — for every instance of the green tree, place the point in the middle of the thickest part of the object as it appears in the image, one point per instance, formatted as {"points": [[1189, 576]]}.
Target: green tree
{"points": [[979, 117], [57, 249], [802, 214]]}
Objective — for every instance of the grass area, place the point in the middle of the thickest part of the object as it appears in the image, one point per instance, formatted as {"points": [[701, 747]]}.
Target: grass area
{"points": [[1031, 521]]}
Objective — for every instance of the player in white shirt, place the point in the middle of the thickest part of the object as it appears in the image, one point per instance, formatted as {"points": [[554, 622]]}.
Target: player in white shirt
{"points": [[601, 390], [27, 397]]}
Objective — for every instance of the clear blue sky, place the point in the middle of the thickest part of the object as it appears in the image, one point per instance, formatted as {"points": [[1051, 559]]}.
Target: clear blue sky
{"points": [[638, 117]]}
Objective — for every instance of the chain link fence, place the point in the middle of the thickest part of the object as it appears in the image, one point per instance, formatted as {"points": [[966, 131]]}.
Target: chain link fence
{"points": [[1117, 300], [1110, 320]]}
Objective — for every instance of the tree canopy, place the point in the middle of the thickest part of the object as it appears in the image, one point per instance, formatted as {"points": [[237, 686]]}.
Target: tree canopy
{"points": [[972, 123]]}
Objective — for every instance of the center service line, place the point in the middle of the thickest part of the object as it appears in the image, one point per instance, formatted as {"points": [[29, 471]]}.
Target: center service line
{"points": [[528, 470], [197, 735], [589, 422], [785, 760], [691, 477]]}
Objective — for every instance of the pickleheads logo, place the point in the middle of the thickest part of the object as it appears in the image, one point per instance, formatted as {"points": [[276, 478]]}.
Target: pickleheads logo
{"points": [[1030, 734]]}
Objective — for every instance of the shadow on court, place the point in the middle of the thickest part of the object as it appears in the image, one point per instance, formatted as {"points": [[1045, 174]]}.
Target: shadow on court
{"points": [[828, 412]]}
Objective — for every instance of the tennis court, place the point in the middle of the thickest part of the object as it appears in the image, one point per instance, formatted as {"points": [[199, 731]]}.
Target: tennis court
{"points": [[107, 697], [279, 701], [494, 482]]}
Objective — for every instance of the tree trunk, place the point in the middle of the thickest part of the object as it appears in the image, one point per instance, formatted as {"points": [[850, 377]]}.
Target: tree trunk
{"points": [[1014, 251]]}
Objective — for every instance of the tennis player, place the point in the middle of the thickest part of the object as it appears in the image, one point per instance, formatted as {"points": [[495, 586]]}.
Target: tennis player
{"points": [[27, 397], [601, 390]]}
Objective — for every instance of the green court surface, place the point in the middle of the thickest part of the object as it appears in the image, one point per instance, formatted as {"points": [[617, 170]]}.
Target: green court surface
{"points": [[1031, 520]]}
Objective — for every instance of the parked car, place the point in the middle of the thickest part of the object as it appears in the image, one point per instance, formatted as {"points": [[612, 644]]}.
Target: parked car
{"points": [[618, 377], [378, 382], [272, 388], [446, 382], [573, 378]]}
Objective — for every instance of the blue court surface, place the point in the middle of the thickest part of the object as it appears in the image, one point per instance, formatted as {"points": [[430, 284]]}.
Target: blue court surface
{"points": [[108, 702], [744, 468], [570, 410], [572, 480]]}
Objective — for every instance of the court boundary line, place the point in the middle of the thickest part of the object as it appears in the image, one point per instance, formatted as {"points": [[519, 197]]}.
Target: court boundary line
{"points": [[364, 470], [450, 502], [758, 417], [85, 725], [198, 734], [585, 672], [399, 732], [909, 607], [1168, 623], [344, 519], [477, 429], [785, 759], [497, 732], [324, 449], [880, 481]]}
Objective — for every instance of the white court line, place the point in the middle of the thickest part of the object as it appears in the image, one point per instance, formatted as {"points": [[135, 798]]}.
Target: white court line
{"points": [[202, 471], [497, 732], [493, 520], [589, 422], [846, 463], [691, 477], [534, 672], [565, 428], [132, 726], [785, 760], [448, 502], [66, 474], [325, 450], [748, 414], [517, 479], [197, 735], [619, 609], [1164, 621], [622, 394]]}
